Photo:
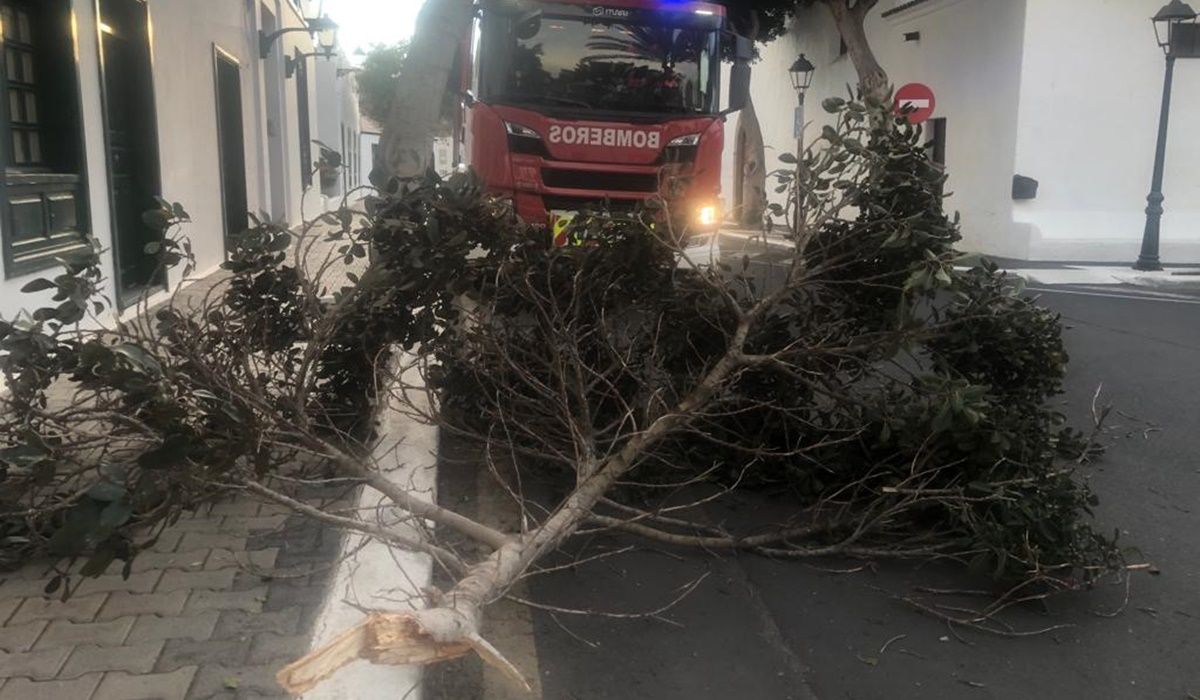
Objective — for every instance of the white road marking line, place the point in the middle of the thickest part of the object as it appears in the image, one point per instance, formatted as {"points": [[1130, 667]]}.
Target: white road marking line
{"points": [[378, 576], [1146, 291], [757, 237], [1136, 297]]}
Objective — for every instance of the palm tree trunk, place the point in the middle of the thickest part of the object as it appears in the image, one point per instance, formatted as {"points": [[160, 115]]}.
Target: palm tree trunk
{"points": [[407, 142]]}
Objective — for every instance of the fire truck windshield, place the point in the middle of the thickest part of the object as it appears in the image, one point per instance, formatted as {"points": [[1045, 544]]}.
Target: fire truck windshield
{"points": [[598, 64]]}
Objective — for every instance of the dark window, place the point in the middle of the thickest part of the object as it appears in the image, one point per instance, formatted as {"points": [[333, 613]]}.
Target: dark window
{"points": [[935, 130], [44, 212], [655, 65], [19, 49]]}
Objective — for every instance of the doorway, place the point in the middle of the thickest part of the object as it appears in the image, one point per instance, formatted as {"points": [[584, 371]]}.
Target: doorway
{"points": [[231, 144], [131, 138]]}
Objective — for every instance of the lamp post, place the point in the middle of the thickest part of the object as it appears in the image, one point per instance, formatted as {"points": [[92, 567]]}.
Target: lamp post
{"points": [[802, 74], [324, 28], [1172, 24], [292, 63]]}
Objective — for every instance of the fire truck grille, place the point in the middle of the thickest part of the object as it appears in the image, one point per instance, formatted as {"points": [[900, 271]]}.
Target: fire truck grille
{"points": [[616, 206], [600, 181]]}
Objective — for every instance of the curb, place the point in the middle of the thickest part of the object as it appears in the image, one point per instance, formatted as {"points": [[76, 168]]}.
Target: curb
{"points": [[1160, 280], [372, 575]]}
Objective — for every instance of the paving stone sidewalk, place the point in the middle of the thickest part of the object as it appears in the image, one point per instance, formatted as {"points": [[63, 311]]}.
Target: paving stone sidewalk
{"points": [[225, 598]]}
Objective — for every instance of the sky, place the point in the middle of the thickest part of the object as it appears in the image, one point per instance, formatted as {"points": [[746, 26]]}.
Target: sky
{"points": [[366, 22]]}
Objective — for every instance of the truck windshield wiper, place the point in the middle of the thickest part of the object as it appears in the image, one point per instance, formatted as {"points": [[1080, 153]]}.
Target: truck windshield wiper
{"points": [[530, 98]]}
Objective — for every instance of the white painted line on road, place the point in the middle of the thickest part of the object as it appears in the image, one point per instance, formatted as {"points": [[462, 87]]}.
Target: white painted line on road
{"points": [[1068, 275], [374, 576], [1105, 295], [1154, 293], [758, 237]]}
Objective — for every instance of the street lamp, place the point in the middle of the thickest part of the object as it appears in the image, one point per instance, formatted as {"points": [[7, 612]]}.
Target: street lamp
{"points": [[1174, 23], [802, 75], [324, 28], [292, 63]]}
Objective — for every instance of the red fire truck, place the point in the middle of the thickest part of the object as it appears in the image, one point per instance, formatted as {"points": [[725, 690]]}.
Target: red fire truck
{"points": [[574, 106]]}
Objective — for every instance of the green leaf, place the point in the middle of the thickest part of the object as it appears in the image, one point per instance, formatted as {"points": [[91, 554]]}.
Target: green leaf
{"points": [[106, 492], [157, 219], [789, 158], [38, 285], [98, 563], [833, 104], [53, 585], [115, 515]]}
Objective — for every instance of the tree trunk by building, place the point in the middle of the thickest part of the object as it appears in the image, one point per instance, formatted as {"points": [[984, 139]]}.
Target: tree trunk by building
{"points": [[750, 158], [750, 155], [407, 142], [850, 19]]}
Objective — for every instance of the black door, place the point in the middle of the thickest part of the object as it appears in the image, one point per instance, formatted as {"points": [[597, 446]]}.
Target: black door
{"points": [[231, 144], [132, 141]]}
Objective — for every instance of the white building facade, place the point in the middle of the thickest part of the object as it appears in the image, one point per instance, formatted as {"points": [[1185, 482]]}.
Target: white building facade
{"points": [[1062, 92], [339, 129], [370, 134], [111, 103]]}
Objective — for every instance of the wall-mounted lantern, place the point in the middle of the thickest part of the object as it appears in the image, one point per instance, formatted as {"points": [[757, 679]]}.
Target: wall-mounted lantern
{"points": [[291, 63], [323, 28]]}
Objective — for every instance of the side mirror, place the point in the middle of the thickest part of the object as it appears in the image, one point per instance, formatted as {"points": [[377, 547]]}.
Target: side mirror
{"points": [[739, 86]]}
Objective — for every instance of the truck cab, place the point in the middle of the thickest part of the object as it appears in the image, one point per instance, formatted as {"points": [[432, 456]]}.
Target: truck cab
{"points": [[576, 106]]}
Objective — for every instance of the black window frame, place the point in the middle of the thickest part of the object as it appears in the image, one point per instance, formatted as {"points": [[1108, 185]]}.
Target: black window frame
{"points": [[304, 120], [60, 193]]}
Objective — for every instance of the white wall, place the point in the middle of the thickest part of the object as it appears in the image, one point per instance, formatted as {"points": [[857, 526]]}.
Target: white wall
{"points": [[1092, 86], [368, 139], [185, 88], [338, 120], [969, 53]]}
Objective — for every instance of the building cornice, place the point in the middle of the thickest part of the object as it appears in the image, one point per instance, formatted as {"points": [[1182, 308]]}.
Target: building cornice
{"points": [[916, 8]]}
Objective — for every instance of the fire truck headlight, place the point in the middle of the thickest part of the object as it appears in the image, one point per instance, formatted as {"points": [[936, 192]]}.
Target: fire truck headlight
{"points": [[518, 130], [689, 140], [708, 215]]}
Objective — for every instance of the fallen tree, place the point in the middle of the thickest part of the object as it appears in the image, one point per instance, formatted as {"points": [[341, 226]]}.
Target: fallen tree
{"points": [[899, 399]]}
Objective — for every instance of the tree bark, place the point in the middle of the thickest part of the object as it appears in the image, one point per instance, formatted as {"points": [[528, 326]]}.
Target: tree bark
{"points": [[751, 157], [850, 21], [751, 154], [407, 142]]}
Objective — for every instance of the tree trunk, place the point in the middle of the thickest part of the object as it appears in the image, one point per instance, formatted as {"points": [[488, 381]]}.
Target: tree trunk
{"points": [[751, 158], [407, 142], [872, 78]]}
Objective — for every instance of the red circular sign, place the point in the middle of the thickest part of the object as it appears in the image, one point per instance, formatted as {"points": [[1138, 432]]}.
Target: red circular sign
{"points": [[916, 100]]}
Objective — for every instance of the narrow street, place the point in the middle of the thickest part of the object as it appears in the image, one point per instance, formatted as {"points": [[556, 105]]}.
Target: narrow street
{"points": [[769, 629]]}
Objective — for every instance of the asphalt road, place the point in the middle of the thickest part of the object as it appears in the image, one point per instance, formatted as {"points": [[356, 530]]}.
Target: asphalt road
{"points": [[758, 628]]}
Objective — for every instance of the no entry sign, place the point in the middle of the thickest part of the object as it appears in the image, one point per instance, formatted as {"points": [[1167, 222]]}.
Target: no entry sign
{"points": [[917, 101]]}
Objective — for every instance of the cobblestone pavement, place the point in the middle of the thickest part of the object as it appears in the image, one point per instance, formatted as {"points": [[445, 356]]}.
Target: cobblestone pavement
{"points": [[225, 598]]}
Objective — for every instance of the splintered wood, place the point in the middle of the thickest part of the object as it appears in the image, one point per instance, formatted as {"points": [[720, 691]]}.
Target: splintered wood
{"points": [[394, 639]]}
